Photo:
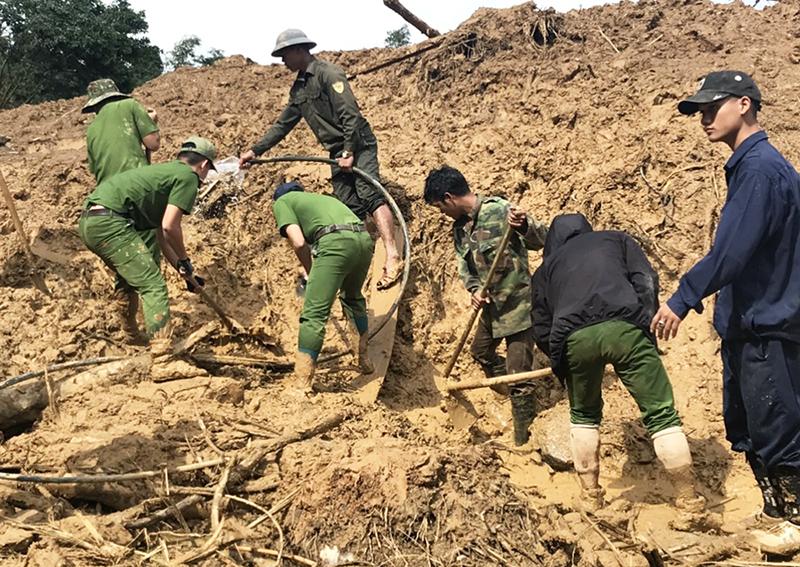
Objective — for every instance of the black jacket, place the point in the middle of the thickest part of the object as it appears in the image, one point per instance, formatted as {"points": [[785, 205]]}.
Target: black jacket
{"points": [[585, 278]]}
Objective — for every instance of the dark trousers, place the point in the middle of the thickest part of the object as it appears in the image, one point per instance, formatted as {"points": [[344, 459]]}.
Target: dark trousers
{"points": [[761, 400], [357, 193], [519, 355]]}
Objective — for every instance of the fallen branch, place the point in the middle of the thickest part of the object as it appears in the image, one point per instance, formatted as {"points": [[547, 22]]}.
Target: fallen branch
{"points": [[608, 39], [271, 517], [101, 478], [610, 544], [435, 43], [272, 553], [60, 366], [404, 13], [271, 364], [165, 513]]}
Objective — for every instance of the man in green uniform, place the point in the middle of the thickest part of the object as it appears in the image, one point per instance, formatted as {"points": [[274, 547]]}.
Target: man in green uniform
{"points": [[120, 138], [477, 231], [322, 96], [150, 198], [337, 261]]}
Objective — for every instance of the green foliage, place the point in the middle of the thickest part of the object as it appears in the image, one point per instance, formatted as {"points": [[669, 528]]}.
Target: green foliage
{"points": [[53, 49], [184, 54], [398, 37]]}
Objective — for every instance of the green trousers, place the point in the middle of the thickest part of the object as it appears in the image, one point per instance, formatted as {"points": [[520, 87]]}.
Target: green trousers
{"points": [[341, 264], [123, 250], [636, 362], [150, 240]]}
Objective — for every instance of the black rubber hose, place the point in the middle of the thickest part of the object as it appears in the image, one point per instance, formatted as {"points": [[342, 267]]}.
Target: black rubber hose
{"points": [[395, 209]]}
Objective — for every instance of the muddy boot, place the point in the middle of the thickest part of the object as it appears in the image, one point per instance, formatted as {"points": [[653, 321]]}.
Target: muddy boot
{"points": [[359, 348], [304, 367], [672, 450], [126, 305], [773, 504], [585, 445], [523, 410], [781, 538], [165, 366]]}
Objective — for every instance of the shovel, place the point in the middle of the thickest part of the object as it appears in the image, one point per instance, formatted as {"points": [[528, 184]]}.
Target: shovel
{"points": [[461, 411], [37, 278], [498, 380], [232, 325]]}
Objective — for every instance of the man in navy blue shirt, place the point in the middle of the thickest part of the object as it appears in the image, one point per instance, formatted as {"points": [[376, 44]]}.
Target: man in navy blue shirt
{"points": [[754, 264]]}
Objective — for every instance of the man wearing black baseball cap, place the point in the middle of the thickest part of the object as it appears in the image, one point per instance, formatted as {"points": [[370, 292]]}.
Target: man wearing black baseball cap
{"points": [[754, 264]]}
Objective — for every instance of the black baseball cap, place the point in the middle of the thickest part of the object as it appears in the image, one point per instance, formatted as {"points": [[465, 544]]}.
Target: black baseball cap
{"points": [[718, 85]]}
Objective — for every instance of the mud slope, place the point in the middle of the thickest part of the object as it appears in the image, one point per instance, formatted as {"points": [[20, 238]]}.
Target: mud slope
{"points": [[587, 122]]}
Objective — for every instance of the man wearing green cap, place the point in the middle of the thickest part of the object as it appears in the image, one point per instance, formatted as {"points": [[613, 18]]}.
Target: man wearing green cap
{"points": [[120, 138], [322, 96], [338, 263], [150, 198]]}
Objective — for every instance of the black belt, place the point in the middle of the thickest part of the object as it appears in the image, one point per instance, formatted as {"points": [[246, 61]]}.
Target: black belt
{"points": [[353, 227], [102, 212]]}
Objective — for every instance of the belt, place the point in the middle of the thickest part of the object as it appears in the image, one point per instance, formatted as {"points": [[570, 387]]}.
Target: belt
{"points": [[352, 227], [101, 211]]}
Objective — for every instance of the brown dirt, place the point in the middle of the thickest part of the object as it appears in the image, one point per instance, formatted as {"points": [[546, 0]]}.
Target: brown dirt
{"points": [[571, 126]]}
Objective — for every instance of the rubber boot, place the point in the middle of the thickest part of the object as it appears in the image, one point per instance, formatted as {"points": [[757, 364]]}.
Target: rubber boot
{"points": [[773, 506], [304, 368], [165, 366], [359, 347], [126, 305], [585, 445], [523, 410], [672, 450]]}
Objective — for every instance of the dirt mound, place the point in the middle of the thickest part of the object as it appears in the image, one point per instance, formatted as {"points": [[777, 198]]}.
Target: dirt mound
{"points": [[572, 112]]}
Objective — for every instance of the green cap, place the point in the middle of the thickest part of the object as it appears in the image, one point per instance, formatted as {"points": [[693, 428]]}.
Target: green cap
{"points": [[200, 146], [100, 90]]}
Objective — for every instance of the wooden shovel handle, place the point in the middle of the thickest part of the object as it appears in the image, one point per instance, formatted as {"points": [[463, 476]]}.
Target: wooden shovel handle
{"points": [[211, 303], [483, 291], [499, 380], [15, 217]]}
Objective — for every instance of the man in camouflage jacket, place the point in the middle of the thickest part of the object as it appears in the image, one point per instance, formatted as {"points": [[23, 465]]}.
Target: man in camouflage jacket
{"points": [[477, 231]]}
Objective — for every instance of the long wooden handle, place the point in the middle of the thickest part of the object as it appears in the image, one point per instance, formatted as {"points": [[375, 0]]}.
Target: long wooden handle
{"points": [[484, 289], [499, 380], [211, 303], [15, 217]]}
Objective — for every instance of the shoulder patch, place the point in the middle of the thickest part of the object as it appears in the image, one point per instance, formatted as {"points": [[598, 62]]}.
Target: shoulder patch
{"points": [[338, 86]]}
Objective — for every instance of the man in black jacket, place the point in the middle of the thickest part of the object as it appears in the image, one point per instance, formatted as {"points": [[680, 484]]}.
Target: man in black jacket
{"points": [[593, 298]]}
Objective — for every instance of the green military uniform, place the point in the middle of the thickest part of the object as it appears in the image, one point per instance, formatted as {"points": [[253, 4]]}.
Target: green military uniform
{"points": [[341, 262], [508, 315], [134, 202], [322, 96], [114, 145]]}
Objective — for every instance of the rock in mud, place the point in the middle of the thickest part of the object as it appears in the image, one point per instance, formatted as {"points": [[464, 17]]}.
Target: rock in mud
{"points": [[551, 433]]}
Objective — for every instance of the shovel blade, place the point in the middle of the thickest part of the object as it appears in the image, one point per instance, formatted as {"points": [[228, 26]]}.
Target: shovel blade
{"points": [[460, 410]]}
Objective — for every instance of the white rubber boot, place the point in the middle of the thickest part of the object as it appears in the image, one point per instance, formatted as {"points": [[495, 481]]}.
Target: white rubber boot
{"points": [[781, 539], [672, 449], [585, 445]]}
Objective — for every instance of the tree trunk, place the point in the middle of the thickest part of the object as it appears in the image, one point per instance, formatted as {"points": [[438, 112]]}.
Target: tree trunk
{"points": [[424, 28]]}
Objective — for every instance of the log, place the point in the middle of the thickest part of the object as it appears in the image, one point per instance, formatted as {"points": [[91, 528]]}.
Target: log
{"points": [[23, 403], [404, 13]]}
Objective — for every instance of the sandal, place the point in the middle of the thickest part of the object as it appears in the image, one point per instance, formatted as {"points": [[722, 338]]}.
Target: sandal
{"points": [[388, 280]]}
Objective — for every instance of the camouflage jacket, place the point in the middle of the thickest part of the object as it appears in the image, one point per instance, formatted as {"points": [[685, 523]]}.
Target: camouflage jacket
{"points": [[323, 97], [476, 238]]}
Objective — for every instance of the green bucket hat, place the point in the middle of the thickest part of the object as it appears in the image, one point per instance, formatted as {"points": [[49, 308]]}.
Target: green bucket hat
{"points": [[100, 90], [200, 146]]}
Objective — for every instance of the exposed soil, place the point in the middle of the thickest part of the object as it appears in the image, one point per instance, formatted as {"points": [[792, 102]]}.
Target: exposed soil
{"points": [[544, 109]]}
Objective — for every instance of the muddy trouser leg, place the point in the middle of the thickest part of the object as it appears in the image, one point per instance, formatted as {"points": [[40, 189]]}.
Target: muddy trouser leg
{"points": [[484, 351], [519, 358], [769, 386], [360, 247], [121, 247], [332, 262], [359, 195]]}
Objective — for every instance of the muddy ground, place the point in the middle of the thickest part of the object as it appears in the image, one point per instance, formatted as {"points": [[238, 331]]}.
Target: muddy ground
{"points": [[560, 113]]}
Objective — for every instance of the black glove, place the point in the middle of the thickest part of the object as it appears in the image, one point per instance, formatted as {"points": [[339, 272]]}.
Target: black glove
{"points": [[184, 267], [201, 283]]}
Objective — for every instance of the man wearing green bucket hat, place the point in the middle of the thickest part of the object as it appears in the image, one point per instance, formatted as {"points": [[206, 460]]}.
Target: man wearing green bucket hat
{"points": [[120, 138], [150, 198]]}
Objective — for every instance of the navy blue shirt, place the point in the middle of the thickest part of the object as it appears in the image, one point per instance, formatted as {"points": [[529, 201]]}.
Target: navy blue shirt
{"points": [[755, 260]]}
